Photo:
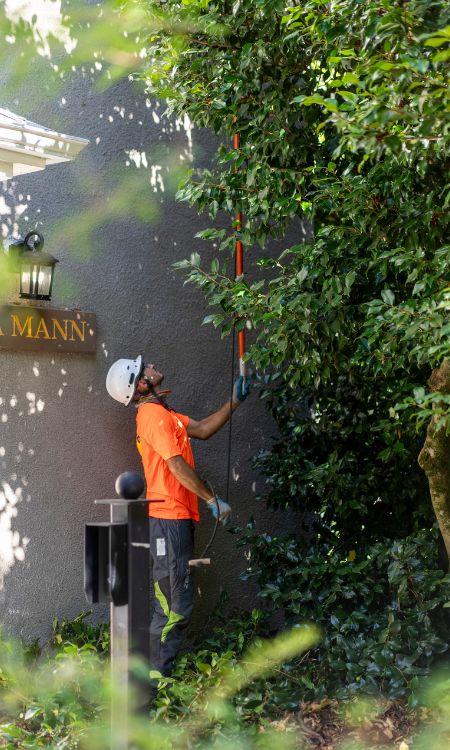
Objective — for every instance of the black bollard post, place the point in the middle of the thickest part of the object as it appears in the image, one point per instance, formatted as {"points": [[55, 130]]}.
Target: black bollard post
{"points": [[117, 570]]}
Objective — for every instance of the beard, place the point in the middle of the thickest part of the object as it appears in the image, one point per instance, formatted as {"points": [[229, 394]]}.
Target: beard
{"points": [[151, 385]]}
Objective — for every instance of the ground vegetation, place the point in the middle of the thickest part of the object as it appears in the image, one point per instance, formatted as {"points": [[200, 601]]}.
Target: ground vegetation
{"points": [[224, 692]]}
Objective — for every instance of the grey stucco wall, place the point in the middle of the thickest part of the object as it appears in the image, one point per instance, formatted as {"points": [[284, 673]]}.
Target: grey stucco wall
{"points": [[63, 441]]}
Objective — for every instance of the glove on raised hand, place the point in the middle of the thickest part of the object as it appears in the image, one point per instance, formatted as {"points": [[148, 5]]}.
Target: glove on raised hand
{"points": [[241, 389], [223, 512]]}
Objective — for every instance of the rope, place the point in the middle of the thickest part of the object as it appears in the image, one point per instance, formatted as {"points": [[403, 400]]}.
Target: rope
{"points": [[241, 343], [216, 525], [233, 346]]}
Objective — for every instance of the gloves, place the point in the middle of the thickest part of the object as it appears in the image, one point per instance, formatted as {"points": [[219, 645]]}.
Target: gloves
{"points": [[242, 388], [224, 510]]}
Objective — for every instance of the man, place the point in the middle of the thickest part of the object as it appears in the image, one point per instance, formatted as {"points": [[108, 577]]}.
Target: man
{"points": [[162, 437]]}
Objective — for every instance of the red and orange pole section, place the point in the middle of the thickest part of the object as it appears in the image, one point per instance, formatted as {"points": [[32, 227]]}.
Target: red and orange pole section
{"points": [[239, 272]]}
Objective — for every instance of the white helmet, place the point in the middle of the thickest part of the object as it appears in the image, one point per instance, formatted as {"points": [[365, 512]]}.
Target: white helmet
{"points": [[122, 379]]}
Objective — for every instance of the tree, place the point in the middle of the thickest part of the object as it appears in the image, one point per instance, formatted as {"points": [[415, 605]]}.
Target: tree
{"points": [[344, 121]]}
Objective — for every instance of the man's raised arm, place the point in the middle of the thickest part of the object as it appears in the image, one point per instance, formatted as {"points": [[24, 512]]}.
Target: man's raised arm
{"points": [[205, 428]]}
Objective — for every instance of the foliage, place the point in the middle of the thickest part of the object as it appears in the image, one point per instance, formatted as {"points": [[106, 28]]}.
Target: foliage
{"points": [[49, 703], [49, 695], [62, 703], [343, 117], [220, 646], [381, 613], [64, 700], [341, 459], [380, 610], [344, 123], [79, 633]]}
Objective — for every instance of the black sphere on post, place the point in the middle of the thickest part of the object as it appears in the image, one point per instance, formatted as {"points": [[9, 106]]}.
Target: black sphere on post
{"points": [[130, 485]]}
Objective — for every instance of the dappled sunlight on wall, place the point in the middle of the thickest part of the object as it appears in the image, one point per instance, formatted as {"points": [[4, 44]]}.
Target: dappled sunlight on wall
{"points": [[13, 482], [13, 209], [47, 20], [12, 545], [130, 185], [18, 456]]}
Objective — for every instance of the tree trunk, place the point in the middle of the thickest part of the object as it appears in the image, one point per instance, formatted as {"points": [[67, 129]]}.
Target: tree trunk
{"points": [[434, 459]]}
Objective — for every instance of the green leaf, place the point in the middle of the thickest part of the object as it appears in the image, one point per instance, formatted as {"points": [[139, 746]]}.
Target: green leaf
{"points": [[203, 667], [350, 78], [388, 296]]}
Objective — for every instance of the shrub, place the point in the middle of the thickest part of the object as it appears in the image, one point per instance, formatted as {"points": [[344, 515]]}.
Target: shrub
{"points": [[380, 610]]}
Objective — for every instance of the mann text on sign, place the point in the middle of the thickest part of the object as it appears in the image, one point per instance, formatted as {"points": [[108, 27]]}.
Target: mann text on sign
{"points": [[42, 329]]}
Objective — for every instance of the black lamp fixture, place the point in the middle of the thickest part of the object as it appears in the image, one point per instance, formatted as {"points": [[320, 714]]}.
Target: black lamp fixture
{"points": [[35, 267]]}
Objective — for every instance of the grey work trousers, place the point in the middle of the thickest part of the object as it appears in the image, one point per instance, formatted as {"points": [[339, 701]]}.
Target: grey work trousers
{"points": [[171, 548]]}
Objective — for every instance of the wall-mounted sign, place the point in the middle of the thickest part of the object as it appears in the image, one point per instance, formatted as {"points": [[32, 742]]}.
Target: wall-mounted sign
{"points": [[45, 330]]}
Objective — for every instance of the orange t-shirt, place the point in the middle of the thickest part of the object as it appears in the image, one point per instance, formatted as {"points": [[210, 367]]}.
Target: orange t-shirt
{"points": [[160, 435]]}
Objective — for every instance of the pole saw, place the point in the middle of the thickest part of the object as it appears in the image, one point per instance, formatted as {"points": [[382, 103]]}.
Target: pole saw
{"points": [[239, 268], [239, 271]]}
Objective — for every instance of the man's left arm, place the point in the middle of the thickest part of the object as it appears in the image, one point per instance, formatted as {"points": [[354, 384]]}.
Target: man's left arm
{"points": [[205, 428]]}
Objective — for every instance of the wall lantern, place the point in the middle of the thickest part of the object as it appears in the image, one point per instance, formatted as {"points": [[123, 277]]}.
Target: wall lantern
{"points": [[36, 268]]}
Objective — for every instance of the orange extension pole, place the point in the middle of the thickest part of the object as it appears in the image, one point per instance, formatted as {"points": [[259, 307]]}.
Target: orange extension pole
{"points": [[239, 272]]}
